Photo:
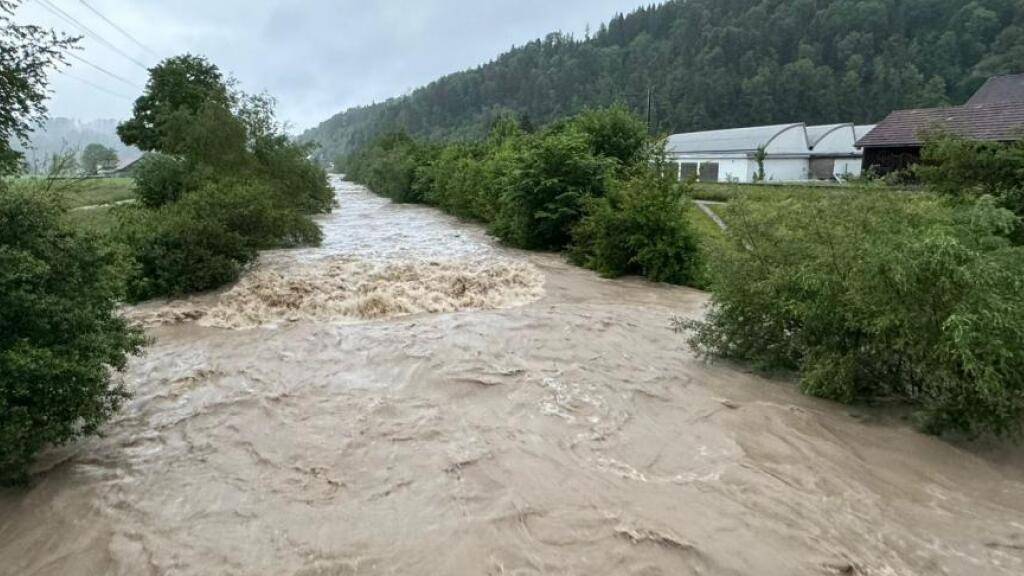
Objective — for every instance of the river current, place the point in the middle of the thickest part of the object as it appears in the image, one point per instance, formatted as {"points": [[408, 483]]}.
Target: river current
{"points": [[412, 398]]}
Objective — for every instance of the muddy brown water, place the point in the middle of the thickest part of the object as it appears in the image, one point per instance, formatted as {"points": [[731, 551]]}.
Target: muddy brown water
{"points": [[413, 399]]}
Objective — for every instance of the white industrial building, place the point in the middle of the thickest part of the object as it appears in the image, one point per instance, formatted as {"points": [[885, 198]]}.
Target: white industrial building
{"points": [[792, 153]]}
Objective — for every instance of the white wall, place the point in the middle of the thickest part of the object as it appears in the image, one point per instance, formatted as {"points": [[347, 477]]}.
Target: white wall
{"points": [[848, 167], [736, 170], [786, 169]]}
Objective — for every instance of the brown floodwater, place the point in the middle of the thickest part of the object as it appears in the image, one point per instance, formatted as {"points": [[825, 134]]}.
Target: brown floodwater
{"points": [[411, 398]]}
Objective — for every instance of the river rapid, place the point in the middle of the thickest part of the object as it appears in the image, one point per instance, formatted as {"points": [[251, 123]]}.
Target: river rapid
{"points": [[412, 398]]}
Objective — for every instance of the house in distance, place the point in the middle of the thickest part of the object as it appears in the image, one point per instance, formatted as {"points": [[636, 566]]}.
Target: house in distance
{"points": [[994, 114]]}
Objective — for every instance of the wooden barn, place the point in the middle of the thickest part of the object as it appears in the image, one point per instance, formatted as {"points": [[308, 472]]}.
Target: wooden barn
{"points": [[995, 114]]}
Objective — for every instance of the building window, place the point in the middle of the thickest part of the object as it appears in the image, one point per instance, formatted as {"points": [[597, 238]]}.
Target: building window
{"points": [[687, 171], [709, 172]]}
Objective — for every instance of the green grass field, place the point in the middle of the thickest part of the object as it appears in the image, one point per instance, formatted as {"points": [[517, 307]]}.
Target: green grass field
{"points": [[90, 202], [723, 192], [85, 192]]}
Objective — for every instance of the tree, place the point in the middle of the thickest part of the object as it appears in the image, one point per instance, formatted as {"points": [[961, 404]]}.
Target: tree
{"points": [[178, 85], [27, 54], [60, 331], [98, 157], [61, 337]]}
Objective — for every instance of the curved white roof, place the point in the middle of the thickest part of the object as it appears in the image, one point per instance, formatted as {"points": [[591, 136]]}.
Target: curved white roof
{"points": [[815, 134], [862, 131], [736, 140]]}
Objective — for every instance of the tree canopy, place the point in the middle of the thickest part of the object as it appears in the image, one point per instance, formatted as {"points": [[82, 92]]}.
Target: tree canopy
{"points": [[178, 86], [27, 54], [96, 157]]}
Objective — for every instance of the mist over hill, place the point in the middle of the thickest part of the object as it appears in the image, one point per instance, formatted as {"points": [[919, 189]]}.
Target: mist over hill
{"points": [[720, 64], [60, 135]]}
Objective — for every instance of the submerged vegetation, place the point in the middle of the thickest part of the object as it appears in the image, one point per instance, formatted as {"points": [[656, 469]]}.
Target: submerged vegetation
{"points": [[593, 185]]}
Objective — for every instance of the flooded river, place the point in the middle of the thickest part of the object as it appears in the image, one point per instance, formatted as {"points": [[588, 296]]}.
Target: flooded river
{"points": [[413, 399]]}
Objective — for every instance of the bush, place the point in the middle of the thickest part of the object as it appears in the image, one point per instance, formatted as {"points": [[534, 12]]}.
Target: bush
{"points": [[467, 179], [614, 133], [877, 295], [161, 179], [285, 167], [60, 334], [206, 239], [388, 167], [967, 170], [555, 174], [640, 227]]}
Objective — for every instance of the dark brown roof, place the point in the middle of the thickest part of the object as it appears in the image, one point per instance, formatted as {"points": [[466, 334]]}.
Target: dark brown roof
{"points": [[1000, 89], [1001, 122]]}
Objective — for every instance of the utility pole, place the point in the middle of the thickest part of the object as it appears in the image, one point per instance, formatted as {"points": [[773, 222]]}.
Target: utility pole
{"points": [[650, 101]]}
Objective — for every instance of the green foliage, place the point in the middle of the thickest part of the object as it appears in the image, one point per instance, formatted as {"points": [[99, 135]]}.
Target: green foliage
{"points": [[224, 182], [284, 166], [60, 332], [389, 166], [640, 227], [590, 180], [614, 133], [556, 173], [719, 64], [27, 54], [966, 170], [877, 295], [96, 157], [760, 156], [208, 237], [161, 179], [178, 87]]}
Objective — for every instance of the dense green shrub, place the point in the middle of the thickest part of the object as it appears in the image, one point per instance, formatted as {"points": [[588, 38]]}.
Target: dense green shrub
{"points": [[467, 179], [877, 295], [60, 334], [967, 170], [162, 179], [284, 166], [389, 165], [207, 238], [640, 227], [555, 174], [614, 133]]}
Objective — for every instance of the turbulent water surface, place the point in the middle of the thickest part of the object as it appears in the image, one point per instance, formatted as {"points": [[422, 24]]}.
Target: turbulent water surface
{"points": [[412, 399]]}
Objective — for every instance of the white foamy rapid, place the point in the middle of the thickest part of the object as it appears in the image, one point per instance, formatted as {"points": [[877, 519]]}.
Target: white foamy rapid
{"points": [[414, 403]]}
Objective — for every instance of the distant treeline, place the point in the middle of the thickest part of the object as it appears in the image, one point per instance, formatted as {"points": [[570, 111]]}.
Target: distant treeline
{"points": [[720, 64]]}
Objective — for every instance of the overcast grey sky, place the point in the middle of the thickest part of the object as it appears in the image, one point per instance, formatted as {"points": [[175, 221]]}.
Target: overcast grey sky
{"points": [[317, 57]]}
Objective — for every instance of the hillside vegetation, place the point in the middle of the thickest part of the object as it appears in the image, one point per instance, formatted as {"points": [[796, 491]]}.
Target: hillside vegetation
{"points": [[720, 64]]}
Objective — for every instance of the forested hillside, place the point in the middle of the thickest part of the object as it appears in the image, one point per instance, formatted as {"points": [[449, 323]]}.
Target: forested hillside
{"points": [[719, 64]]}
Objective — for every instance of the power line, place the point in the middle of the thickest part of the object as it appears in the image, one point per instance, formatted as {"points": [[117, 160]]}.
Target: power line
{"points": [[88, 31], [118, 28], [105, 71], [94, 85]]}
